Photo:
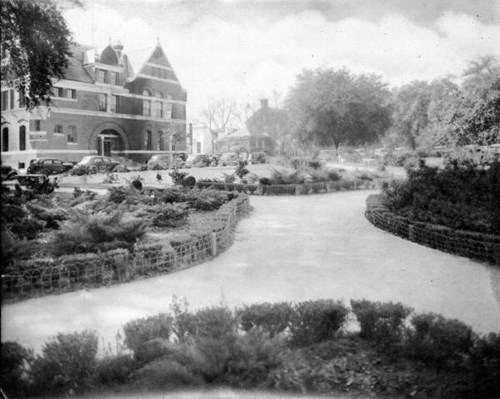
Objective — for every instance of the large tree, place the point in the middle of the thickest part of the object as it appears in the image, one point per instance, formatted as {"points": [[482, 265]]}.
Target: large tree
{"points": [[334, 107], [221, 116], [35, 45]]}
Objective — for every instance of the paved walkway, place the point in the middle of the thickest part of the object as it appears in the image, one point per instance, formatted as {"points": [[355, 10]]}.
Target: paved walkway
{"points": [[290, 248]]}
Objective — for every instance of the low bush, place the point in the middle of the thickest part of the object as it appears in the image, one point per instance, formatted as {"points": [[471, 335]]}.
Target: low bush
{"points": [[114, 370], [14, 368], [461, 196], [439, 341], [272, 318], [67, 363], [380, 322], [85, 232], [256, 355], [316, 321], [206, 200], [178, 176], [168, 215], [485, 366], [165, 373], [140, 331]]}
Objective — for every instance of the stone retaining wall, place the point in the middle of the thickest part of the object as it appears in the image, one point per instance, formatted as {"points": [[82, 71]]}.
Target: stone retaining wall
{"points": [[475, 245], [46, 276]]}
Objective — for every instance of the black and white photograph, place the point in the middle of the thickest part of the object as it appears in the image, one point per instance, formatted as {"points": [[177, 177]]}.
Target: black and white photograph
{"points": [[250, 199]]}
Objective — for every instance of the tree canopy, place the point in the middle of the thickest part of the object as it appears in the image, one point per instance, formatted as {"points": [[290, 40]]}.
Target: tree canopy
{"points": [[35, 46], [334, 107]]}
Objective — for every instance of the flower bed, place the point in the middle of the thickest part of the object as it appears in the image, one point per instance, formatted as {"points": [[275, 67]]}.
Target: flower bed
{"points": [[475, 245], [48, 275]]}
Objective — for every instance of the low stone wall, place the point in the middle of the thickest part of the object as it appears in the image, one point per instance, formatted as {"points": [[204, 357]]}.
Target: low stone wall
{"points": [[294, 189], [480, 246], [46, 276]]}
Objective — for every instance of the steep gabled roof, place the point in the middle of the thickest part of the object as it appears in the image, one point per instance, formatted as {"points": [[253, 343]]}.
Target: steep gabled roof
{"points": [[137, 59], [76, 70]]}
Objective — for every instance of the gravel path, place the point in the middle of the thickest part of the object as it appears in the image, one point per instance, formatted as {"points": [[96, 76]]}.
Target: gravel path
{"points": [[289, 248]]}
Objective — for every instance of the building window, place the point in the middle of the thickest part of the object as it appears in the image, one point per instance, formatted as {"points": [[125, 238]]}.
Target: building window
{"points": [[5, 139], [71, 93], [148, 140], [11, 99], [102, 102], [71, 134], [113, 104], [101, 76], [198, 147], [112, 78], [146, 104], [58, 92], [22, 138], [37, 125], [167, 110], [5, 100], [161, 140], [58, 129], [146, 111]]}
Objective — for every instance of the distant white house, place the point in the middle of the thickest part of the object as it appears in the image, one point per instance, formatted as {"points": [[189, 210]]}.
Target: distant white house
{"points": [[201, 138]]}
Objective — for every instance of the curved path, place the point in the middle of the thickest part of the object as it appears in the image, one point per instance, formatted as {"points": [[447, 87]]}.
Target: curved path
{"points": [[290, 248]]}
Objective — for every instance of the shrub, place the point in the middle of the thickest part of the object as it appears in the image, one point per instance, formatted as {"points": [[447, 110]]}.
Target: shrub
{"points": [[67, 363], [177, 176], [113, 370], [140, 331], [438, 340], [257, 354], [380, 322], [287, 177], [172, 195], [164, 372], [485, 366], [168, 215], [14, 369], [461, 196], [206, 200], [83, 232], [315, 321], [272, 318], [214, 334]]}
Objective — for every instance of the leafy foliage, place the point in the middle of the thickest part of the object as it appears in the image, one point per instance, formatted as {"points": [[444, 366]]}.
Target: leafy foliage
{"points": [[316, 321], [36, 47], [380, 322], [84, 232], [272, 318], [332, 107], [462, 196], [67, 363], [438, 340], [140, 331], [16, 361]]}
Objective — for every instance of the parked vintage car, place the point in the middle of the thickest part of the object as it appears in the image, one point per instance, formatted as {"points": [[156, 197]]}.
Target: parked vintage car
{"points": [[94, 164], [165, 161], [48, 166], [39, 183], [8, 172]]}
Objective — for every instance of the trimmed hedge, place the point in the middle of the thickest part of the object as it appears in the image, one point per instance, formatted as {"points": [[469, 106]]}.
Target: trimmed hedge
{"points": [[475, 245]]}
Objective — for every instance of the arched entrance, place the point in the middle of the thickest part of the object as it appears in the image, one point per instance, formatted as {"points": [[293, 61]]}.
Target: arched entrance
{"points": [[107, 141]]}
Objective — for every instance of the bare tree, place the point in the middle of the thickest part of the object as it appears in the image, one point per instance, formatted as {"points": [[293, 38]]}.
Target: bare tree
{"points": [[221, 116]]}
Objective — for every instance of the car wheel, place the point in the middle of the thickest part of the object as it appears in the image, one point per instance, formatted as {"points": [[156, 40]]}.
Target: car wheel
{"points": [[93, 169], [45, 172]]}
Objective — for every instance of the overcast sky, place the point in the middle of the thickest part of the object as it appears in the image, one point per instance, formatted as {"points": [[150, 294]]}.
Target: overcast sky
{"points": [[249, 50]]}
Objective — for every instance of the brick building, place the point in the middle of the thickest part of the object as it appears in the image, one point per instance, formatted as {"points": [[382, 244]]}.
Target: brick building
{"points": [[265, 131], [114, 103]]}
